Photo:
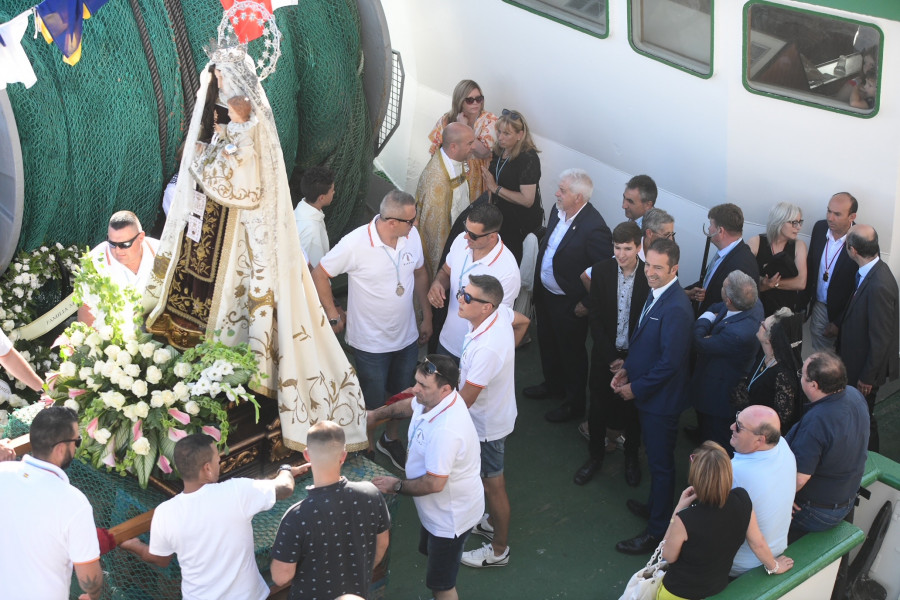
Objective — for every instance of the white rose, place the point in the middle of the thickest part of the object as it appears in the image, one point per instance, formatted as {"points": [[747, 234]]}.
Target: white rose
{"points": [[168, 398], [192, 408], [18, 292], [142, 409], [126, 382], [147, 349], [106, 333], [156, 399], [162, 356], [130, 412], [154, 375], [109, 368], [140, 389], [112, 351], [113, 399], [182, 369], [93, 340], [17, 308], [123, 359], [142, 446], [68, 369], [132, 370], [8, 325], [92, 384], [102, 435], [77, 338], [133, 347], [16, 401], [2, 314], [181, 391], [27, 356], [85, 372], [71, 404], [98, 367]]}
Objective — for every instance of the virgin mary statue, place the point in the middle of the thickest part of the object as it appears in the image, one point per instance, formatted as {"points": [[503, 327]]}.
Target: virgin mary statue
{"points": [[229, 262]]}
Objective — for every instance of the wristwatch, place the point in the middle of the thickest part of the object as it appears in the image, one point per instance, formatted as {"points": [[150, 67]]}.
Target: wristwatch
{"points": [[398, 486], [334, 322], [287, 468]]}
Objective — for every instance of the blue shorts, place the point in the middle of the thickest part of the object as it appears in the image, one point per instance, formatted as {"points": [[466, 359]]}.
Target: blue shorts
{"points": [[492, 457], [383, 374], [443, 555]]}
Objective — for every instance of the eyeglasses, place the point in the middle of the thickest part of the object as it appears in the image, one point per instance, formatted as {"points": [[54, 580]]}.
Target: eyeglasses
{"points": [[123, 245], [407, 221], [796, 223], [667, 236], [468, 298], [800, 373], [76, 440], [707, 230], [429, 368], [738, 427], [477, 236], [473, 99], [511, 114]]}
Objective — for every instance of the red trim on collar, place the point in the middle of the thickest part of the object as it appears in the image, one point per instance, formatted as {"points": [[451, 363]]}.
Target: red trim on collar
{"points": [[491, 264], [445, 408]]}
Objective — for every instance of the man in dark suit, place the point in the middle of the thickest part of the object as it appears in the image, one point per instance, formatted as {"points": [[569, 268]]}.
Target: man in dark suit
{"points": [[868, 342], [576, 238], [725, 345], [618, 292], [830, 271], [726, 225], [655, 377]]}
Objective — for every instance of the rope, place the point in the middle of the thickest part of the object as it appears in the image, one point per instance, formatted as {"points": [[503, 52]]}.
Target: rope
{"points": [[190, 81], [157, 82]]}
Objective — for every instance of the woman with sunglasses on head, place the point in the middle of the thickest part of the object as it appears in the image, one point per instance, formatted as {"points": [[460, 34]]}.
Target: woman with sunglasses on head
{"points": [[781, 258], [710, 522], [513, 179], [468, 108]]}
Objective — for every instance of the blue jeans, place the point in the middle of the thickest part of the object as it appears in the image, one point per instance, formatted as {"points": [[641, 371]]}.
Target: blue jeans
{"points": [[383, 374], [814, 518]]}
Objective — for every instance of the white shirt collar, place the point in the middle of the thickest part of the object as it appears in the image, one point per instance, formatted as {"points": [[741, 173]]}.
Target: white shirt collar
{"points": [[454, 167], [864, 270], [45, 466], [657, 293], [562, 214]]}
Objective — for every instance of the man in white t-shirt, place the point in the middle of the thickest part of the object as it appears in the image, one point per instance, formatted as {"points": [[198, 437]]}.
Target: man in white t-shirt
{"points": [[127, 255], [487, 384], [764, 465], [209, 525], [477, 251], [442, 469], [49, 525], [317, 186], [386, 267]]}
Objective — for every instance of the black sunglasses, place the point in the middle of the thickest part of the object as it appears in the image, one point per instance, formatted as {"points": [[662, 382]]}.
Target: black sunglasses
{"points": [[477, 236], [76, 440], [428, 368], [123, 245], [473, 99], [511, 114], [407, 221], [468, 298]]}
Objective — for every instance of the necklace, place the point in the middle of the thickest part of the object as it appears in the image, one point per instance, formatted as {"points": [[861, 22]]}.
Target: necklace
{"points": [[396, 263], [498, 168], [833, 258]]}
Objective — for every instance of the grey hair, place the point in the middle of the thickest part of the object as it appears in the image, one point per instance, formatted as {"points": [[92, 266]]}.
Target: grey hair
{"points": [[395, 199], [741, 290], [780, 214], [579, 182], [655, 218]]}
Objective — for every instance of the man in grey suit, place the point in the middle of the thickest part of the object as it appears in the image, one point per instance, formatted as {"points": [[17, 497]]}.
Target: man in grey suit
{"points": [[867, 341]]}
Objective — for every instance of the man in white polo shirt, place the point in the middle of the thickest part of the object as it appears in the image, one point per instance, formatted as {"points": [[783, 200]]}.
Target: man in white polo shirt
{"points": [[477, 251], [50, 524], [442, 469], [385, 264], [487, 384]]}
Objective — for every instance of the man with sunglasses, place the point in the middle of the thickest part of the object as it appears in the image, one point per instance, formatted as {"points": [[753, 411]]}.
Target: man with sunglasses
{"points": [[477, 251], [442, 470], [442, 193], [127, 255], [52, 522], [385, 265]]}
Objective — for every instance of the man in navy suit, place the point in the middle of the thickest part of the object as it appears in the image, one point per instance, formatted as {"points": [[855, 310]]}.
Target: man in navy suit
{"points": [[726, 225], [868, 342], [830, 271], [725, 345], [655, 376], [576, 238]]}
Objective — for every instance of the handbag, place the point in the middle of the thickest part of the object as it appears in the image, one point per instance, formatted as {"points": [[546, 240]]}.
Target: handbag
{"points": [[644, 584]]}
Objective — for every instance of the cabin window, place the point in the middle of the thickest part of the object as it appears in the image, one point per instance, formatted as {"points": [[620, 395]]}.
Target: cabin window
{"points": [[812, 58], [588, 16], [677, 32]]}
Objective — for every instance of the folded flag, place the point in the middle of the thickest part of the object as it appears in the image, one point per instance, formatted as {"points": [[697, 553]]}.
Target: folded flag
{"points": [[61, 23]]}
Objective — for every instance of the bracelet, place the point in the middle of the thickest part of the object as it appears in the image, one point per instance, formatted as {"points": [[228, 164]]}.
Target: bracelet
{"points": [[498, 190], [773, 570]]}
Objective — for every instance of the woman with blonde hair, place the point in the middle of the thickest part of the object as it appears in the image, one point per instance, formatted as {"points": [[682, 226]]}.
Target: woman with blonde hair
{"points": [[468, 108], [710, 523], [781, 258], [513, 178]]}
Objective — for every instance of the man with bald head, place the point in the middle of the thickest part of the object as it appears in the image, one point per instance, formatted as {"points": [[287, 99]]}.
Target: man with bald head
{"points": [[764, 465], [867, 338], [442, 193]]}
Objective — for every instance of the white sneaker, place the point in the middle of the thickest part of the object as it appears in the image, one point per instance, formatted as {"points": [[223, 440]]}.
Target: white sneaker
{"points": [[485, 557], [484, 529]]}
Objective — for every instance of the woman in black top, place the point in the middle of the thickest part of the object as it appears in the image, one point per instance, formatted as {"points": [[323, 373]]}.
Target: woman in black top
{"points": [[782, 259], [710, 523], [513, 179]]}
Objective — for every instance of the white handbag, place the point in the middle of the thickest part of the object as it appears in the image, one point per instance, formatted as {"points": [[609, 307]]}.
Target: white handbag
{"points": [[644, 584]]}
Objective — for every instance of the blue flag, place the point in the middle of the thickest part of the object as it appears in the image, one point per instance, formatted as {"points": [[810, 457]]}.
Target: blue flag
{"points": [[61, 24]]}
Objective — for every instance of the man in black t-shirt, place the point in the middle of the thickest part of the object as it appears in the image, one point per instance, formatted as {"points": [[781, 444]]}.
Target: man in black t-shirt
{"points": [[329, 544]]}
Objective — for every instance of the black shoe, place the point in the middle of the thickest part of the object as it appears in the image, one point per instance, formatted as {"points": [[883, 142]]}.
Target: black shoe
{"points": [[564, 413], [638, 509], [394, 450], [632, 472], [693, 434], [540, 392], [587, 470], [642, 544]]}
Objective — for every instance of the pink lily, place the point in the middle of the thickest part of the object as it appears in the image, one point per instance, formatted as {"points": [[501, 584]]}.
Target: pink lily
{"points": [[177, 434], [74, 393], [212, 431], [110, 458], [92, 427], [164, 465], [51, 381], [136, 431], [181, 417]]}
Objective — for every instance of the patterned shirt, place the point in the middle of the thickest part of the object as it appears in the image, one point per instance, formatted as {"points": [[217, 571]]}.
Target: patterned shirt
{"points": [[626, 287]]}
